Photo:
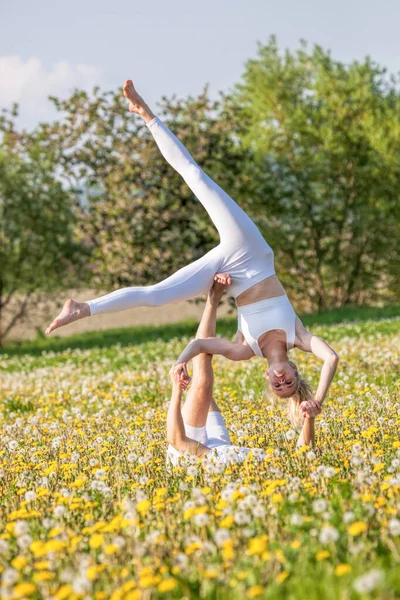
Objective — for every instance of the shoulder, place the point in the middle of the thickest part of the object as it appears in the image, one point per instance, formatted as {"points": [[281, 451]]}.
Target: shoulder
{"points": [[303, 336]]}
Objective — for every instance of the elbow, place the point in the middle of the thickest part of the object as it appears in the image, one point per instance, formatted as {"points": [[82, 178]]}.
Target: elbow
{"points": [[196, 346], [334, 359], [175, 440]]}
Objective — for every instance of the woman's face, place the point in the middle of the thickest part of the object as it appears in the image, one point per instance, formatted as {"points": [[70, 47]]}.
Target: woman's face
{"points": [[282, 379]]}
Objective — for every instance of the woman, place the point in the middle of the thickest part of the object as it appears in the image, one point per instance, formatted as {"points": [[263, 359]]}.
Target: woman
{"points": [[199, 428], [268, 326]]}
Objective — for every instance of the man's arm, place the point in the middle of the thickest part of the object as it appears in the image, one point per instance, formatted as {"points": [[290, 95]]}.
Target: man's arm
{"points": [[307, 435]]}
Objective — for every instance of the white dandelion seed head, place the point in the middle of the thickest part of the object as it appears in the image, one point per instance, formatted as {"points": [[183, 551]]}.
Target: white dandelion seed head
{"points": [[30, 496], [348, 517], [20, 528], [319, 505], [201, 519], [394, 527], [24, 541], [221, 536], [328, 535], [369, 581]]}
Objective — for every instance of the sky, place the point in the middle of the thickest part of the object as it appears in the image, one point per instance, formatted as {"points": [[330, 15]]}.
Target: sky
{"points": [[49, 47]]}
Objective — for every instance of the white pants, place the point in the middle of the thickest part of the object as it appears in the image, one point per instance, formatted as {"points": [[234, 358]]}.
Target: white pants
{"points": [[214, 433], [242, 252]]}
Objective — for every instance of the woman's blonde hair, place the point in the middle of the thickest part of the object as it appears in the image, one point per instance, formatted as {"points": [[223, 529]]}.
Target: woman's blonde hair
{"points": [[302, 393]]}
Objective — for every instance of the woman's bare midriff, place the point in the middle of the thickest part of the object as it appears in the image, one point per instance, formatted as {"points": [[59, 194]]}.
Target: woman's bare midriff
{"points": [[267, 288]]}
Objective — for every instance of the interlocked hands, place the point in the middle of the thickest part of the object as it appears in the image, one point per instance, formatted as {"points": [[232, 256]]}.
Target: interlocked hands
{"points": [[310, 408], [180, 376]]}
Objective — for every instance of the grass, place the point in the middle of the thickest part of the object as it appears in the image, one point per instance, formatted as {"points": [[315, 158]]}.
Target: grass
{"points": [[89, 509], [144, 334]]}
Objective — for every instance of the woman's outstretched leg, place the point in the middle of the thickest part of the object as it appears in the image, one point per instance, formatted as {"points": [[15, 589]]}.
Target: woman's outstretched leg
{"points": [[233, 225], [191, 281]]}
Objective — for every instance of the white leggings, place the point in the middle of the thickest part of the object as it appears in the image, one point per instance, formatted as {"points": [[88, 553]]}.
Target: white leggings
{"points": [[242, 252]]}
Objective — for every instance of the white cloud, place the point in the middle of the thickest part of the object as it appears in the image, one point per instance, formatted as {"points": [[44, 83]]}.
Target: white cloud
{"points": [[29, 83]]}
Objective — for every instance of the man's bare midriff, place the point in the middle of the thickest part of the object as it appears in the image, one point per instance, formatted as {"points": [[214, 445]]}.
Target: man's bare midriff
{"points": [[267, 288]]}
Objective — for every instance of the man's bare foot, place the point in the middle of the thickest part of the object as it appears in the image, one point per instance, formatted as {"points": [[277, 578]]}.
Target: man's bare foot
{"points": [[136, 103], [221, 281], [71, 311]]}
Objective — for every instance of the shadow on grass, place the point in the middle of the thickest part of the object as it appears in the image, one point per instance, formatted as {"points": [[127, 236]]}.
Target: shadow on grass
{"points": [[140, 335]]}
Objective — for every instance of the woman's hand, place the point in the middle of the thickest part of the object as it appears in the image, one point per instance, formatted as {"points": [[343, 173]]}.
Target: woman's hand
{"points": [[179, 375], [310, 409]]}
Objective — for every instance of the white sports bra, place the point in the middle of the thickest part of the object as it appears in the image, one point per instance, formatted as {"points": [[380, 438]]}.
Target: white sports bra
{"points": [[259, 317]]}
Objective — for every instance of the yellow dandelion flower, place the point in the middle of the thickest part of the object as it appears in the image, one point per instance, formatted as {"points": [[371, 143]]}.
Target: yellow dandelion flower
{"points": [[342, 569], [19, 562], [24, 589], [357, 528], [255, 591], [143, 507], [257, 546], [133, 595], [96, 540], [378, 467], [227, 550], [282, 576], [64, 592], [210, 574], [149, 581], [110, 549], [167, 585], [43, 576], [227, 522]]}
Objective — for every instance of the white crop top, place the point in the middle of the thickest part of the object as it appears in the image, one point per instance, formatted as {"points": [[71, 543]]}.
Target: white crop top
{"points": [[259, 317]]}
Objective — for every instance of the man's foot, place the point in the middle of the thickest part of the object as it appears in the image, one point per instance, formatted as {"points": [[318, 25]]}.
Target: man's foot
{"points": [[72, 311], [136, 103], [221, 281]]}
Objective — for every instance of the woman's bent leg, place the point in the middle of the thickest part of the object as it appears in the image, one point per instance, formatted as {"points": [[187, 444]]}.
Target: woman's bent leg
{"points": [[191, 281], [232, 223]]}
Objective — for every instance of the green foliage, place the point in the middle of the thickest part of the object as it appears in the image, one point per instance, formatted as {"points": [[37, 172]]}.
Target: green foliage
{"points": [[327, 136], [36, 226]]}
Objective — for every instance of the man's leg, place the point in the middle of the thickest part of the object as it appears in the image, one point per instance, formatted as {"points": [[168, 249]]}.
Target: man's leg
{"points": [[199, 397]]}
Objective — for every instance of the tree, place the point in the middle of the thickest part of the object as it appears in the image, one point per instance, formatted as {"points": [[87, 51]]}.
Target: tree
{"points": [[327, 138], [37, 247]]}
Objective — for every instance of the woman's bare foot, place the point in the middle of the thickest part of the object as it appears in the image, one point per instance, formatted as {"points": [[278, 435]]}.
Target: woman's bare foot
{"points": [[71, 311], [223, 278], [136, 103]]}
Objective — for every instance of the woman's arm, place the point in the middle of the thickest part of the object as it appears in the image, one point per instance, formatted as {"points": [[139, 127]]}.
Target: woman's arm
{"points": [[307, 435], [231, 350], [311, 343], [176, 435]]}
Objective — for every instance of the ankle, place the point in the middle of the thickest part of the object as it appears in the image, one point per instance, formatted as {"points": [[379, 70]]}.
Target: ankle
{"points": [[146, 113]]}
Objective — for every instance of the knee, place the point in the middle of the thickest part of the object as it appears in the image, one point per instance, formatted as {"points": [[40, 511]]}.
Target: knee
{"points": [[152, 297]]}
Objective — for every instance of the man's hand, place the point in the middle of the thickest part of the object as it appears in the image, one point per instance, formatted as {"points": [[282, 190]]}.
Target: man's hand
{"points": [[310, 409]]}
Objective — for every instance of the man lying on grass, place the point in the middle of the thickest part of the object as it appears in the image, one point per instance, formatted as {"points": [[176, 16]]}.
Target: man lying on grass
{"points": [[198, 428]]}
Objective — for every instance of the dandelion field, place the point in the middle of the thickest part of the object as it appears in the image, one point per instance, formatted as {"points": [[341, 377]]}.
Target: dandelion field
{"points": [[90, 510]]}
